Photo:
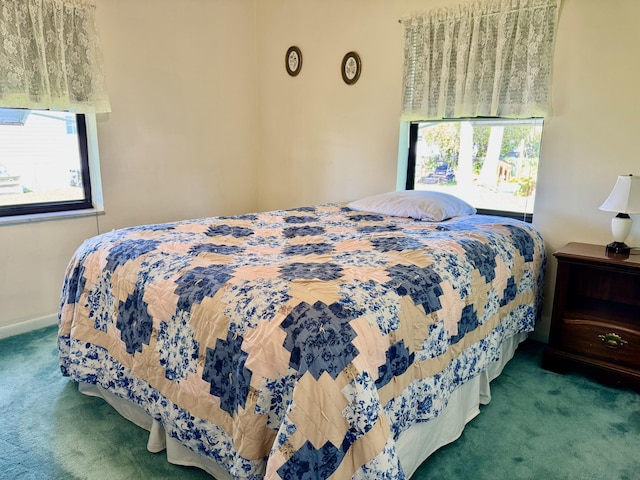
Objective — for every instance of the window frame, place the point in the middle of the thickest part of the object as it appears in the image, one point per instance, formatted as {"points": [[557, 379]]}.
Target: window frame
{"points": [[22, 210], [411, 169]]}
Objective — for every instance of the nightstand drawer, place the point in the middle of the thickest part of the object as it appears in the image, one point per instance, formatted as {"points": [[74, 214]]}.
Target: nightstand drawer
{"points": [[608, 342]]}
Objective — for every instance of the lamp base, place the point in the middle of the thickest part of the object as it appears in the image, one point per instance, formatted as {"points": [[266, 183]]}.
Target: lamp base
{"points": [[617, 250]]}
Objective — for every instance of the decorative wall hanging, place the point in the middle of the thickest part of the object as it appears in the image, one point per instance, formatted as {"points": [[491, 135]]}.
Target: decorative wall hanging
{"points": [[351, 67], [293, 61]]}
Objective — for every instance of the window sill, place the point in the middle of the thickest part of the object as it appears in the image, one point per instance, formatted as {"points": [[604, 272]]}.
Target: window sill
{"points": [[43, 217]]}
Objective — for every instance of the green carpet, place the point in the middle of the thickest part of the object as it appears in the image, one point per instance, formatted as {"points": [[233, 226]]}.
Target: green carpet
{"points": [[539, 425]]}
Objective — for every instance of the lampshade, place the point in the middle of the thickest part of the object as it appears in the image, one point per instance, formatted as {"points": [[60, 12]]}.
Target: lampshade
{"points": [[625, 196]]}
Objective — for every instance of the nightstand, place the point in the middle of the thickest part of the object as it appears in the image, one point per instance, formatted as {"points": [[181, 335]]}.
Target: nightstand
{"points": [[595, 322]]}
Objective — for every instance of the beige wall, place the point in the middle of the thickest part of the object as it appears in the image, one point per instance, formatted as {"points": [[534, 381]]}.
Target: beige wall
{"points": [[325, 141], [178, 144], [181, 78], [322, 140], [206, 121]]}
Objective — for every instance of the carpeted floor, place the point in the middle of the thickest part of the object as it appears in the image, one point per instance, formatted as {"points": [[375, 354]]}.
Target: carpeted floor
{"points": [[539, 425]]}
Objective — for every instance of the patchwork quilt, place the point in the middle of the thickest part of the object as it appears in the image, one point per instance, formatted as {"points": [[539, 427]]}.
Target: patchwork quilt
{"points": [[298, 343]]}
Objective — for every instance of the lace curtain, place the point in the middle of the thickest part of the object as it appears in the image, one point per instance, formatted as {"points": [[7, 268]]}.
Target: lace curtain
{"points": [[480, 59], [50, 56]]}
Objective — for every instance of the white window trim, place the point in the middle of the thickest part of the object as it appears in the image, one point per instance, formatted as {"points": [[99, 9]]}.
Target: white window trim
{"points": [[96, 185]]}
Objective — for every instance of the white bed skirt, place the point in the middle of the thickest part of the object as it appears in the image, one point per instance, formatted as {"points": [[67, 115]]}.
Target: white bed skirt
{"points": [[413, 446]]}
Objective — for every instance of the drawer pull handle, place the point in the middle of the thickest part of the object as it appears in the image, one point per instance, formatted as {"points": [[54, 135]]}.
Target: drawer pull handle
{"points": [[612, 340]]}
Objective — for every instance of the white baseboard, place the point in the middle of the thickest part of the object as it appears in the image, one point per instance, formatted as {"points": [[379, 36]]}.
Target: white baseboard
{"points": [[28, 325]]}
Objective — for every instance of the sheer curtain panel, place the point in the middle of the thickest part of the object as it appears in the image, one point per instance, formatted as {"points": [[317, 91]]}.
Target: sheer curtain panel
{"points": [[480, 59], [50, 56]]}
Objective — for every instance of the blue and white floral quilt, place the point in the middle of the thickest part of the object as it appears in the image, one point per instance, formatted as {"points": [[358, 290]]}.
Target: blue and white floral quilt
{"points": [[300, 343]]}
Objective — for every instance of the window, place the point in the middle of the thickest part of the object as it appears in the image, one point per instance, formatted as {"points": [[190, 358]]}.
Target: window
{"points": [[44, 162], [490, 163]]}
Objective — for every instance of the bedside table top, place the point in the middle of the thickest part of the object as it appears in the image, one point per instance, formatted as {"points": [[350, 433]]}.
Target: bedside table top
{"points": [[595, 253]]}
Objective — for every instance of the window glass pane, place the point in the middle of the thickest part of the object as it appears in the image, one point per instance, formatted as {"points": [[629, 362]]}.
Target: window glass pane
{"points": [[40, 159], [492, 164]]}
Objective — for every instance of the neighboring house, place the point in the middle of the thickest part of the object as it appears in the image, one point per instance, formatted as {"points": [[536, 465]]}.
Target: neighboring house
{"points": [[9, 184]]}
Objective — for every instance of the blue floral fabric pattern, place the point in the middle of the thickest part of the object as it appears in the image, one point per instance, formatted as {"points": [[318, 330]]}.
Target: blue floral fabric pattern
{"points": [[308, 249], [128, 250], [134, 322], [224, 370], [308, 271], [421, 284], [297, 343], [293, 232], [319, 338], [199, 283], [234, 231]]}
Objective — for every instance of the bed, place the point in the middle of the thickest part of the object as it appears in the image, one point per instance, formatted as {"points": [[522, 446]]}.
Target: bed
{"points": [[319, 342]]}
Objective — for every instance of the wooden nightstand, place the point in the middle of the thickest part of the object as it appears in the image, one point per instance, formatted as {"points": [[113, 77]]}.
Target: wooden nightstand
{"points": [[596, 314]]}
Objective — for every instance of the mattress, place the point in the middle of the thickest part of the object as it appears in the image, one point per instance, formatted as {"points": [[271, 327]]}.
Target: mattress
{"points": [[299, 343]]}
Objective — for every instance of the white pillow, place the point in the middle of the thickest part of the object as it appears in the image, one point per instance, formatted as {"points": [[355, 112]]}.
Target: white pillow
{"points": [[418, 204]]}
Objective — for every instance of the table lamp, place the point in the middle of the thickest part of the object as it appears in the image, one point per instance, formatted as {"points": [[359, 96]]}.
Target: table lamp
{"points": [[624, 199]]}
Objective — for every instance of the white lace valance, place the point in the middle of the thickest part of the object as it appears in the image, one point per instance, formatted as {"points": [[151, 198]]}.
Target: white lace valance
{"points": [[480, 59], [50, 56]]}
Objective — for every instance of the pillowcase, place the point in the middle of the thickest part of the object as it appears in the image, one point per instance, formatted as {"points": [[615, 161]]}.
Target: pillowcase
{"points": [[418, 204]]}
